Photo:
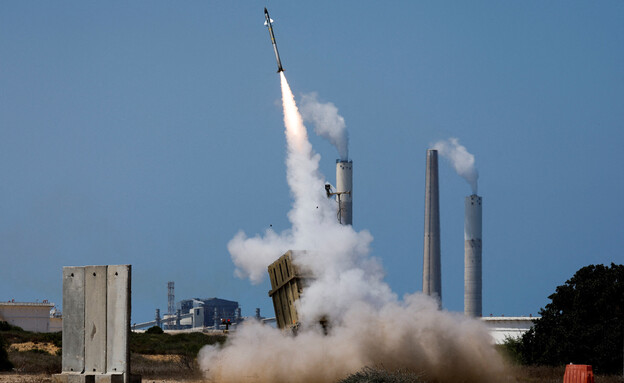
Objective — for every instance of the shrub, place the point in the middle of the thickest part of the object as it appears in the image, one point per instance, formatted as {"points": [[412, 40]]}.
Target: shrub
{"points": [[5, 326], [372, 375], [154, 330], [5, 363], [187, 344]]}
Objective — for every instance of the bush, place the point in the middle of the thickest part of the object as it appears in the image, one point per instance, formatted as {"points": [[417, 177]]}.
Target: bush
{"points": [[186, 344], [5, 326], [154, 330], [511, 349], [14, 334], [371, 375], [5, 363]]}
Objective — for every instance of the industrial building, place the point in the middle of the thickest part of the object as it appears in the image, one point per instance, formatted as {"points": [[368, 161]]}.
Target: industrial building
{"points": [[197, 313], [502, 328], [214, 310], [31, 316]]}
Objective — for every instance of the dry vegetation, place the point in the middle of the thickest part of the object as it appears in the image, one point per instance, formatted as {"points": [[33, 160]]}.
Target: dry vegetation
{"points": [[167, 358], [515, 374]]}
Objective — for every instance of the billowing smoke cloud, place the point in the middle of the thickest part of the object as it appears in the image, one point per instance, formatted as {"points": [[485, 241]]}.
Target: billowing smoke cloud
{"points": [[369, 325], [461, 159], [327, 122]]}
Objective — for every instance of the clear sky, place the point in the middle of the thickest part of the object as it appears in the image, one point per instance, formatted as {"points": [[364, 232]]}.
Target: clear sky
{"points": [[151, 132]]}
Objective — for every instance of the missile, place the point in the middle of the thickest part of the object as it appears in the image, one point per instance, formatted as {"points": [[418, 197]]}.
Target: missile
{"points": [[268, 22]]}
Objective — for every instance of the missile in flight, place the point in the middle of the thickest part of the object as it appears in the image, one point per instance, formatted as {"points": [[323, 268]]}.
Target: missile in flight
{"points": [[268, 22]]}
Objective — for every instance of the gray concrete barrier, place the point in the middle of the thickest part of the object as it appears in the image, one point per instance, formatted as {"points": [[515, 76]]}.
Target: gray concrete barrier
{"points": [[96, 325]]}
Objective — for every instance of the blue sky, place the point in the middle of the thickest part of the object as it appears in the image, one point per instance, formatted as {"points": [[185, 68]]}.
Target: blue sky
{"points": [[150, 133]]}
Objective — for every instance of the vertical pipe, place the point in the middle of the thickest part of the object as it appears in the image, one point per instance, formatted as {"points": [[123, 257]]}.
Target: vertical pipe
{"points": [[158, 318], [472, 257], [432, 272], [344, 188], [170, 298]]}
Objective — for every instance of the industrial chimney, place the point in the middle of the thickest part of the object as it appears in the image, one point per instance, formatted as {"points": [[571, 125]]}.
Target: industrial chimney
{"points": [[472, 256], [432, 273], [344, 187], [170, 298]]}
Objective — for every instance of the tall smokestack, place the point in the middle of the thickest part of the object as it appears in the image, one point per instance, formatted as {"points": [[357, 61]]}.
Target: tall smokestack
{"points": [[170, 298], [432, 272], [344, 190], [472, 257]]}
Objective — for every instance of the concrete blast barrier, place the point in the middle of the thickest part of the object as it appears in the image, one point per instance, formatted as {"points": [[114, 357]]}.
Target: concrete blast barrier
{"points": [[74, 324], [96, 324], [118, 319], [95, 319]]}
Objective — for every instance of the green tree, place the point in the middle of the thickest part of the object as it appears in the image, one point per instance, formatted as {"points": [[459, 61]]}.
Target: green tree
{"points": [[583, 324]]}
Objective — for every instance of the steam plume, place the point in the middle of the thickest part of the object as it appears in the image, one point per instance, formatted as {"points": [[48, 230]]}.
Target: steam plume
{"points": [[327, 122], [461, 159], [370, 326]]}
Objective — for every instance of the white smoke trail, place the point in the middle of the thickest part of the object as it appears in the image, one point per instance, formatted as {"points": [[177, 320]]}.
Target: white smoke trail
{"points": [[370, 326], [463, 162], [327, 122]]}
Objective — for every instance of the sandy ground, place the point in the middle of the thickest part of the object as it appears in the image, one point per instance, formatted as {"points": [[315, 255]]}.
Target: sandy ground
{"points": [[23, 378]]}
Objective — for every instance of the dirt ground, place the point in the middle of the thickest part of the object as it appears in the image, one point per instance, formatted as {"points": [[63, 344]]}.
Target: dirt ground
{"points": [[518, 375], [41, 378]]}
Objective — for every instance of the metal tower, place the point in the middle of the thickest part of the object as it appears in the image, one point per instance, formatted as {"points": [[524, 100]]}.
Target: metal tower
{"points": [[170, 298]]}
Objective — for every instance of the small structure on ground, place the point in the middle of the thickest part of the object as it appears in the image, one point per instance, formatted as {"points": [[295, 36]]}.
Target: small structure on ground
{"points": [[31, 316], [96, 325], [501, 328]]}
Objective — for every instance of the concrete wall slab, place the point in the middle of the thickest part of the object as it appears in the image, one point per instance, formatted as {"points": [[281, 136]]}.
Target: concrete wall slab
{"points": [[95, 319], [74, 320], [118, 316]]}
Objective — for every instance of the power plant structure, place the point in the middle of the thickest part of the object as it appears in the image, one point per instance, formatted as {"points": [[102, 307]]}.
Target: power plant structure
{"points": [[344, 191], [170, 298], [472, 257], [432, 273]]}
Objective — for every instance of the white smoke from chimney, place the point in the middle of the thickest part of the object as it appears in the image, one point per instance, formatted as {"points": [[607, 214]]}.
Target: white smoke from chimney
{"points": [[369, 325], [463, 162], [327, 122]]}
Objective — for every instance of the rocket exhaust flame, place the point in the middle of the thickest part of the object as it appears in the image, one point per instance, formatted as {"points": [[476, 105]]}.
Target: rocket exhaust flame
{"points": [[349, 290], [296, 133]]}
